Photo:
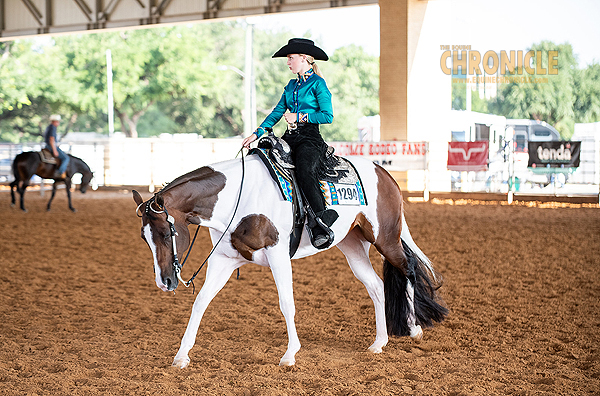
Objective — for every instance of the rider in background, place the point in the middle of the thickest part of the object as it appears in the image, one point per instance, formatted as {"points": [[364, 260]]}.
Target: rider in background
{"points": [[52, 145], [304, 104]]}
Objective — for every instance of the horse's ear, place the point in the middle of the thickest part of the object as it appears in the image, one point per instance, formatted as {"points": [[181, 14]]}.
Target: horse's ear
{"points": [[137, 198], [160, 200]]}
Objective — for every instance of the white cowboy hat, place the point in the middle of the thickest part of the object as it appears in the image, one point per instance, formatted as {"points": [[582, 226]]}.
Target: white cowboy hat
{"points": [[55, 117]]}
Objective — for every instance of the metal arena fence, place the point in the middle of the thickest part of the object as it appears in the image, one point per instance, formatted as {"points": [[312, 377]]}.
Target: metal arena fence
{"points": [[152, 162]]}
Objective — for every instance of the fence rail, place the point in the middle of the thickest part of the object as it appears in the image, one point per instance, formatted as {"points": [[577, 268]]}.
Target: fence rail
{"points": [[154, 161]]}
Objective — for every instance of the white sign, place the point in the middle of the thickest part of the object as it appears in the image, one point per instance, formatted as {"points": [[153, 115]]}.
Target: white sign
{"points": [[393, 156], [343, 194]]}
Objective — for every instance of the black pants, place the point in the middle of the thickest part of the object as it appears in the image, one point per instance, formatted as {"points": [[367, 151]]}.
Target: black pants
{"points": [[308, 149]]}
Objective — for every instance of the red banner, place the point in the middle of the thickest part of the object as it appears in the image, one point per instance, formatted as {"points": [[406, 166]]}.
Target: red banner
{"points": [[468, 156]]}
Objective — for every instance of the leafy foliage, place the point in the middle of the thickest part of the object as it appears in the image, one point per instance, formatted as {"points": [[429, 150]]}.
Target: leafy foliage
{"points": [[165, 80], [587, 101], [549, 98], [354, 84], [563, 99]]}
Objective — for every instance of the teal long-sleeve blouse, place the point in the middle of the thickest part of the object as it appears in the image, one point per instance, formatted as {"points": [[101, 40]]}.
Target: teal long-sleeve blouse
{"points": [[308, 97]]}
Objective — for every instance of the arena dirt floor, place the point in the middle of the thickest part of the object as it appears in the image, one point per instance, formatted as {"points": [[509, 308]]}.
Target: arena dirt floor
{"points": [[80, 313]]}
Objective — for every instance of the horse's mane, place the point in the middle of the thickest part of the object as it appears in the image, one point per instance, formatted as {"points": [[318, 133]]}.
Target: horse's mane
{"points": [[81, 162], [194, 175]]}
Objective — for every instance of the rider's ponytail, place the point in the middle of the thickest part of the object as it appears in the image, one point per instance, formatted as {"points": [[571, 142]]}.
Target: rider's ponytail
{"points": [[311, 62]]}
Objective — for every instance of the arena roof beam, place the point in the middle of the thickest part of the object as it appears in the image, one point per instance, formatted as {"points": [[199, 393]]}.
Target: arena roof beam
{"points": [[34, 11], [23, 18], [213, 8], [87, 11], [158, 11], [105, 14], [274, 6]]}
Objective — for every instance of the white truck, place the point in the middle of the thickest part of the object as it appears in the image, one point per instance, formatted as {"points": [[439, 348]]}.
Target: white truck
{"points": [[520, 132]]}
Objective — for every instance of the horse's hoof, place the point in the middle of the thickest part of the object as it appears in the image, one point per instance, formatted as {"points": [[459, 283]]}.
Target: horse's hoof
{"points": [[377, 347], [287, 361], [181, 362], [417, 334]]}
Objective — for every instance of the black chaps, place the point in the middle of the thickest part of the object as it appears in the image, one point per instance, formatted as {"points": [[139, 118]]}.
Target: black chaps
{"points": [[308, 150]]}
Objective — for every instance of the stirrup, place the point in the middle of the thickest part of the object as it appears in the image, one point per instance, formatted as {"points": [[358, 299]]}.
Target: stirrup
{"points": [[323, 239], [320, 241]]}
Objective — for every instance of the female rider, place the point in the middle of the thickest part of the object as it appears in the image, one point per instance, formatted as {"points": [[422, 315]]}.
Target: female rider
{"points": [[304, 104]]}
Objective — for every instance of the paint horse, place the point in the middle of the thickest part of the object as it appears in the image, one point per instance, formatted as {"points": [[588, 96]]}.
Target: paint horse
{"points": [[405, 301], [30, 163]]}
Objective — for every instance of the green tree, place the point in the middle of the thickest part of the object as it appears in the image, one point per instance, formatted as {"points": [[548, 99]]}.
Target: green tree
{"points": [[166, 80], [587, 94], [459, 95], [12, 90], [354, 84], [150, 67], [272, 74], [37, 84], [549, 97], [353, 79]]}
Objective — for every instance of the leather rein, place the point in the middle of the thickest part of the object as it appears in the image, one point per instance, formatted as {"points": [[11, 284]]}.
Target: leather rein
{"points": [[173, 233]]}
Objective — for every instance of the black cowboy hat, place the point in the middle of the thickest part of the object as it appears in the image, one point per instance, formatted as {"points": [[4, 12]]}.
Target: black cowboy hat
{"points": [[301, 46]]}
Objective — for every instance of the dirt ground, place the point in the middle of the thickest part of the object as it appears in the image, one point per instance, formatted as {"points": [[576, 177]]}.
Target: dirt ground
{"points": [[80, 313]]}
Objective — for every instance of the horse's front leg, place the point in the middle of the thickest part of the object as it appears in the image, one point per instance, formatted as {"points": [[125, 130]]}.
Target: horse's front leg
{"points": [[52, 197], [281, 267], [217, 274], [68, 188]]}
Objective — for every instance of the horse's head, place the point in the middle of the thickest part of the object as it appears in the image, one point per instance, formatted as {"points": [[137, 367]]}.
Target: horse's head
{"points": [[86, 178], [163, 229]]}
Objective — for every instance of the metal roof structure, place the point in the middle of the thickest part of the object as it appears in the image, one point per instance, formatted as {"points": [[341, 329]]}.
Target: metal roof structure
{"points": [[24, 18]]}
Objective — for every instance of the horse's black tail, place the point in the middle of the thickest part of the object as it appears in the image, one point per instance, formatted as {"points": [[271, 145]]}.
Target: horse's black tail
{"points": [[428, 305], [15, 171], [13, 167]]}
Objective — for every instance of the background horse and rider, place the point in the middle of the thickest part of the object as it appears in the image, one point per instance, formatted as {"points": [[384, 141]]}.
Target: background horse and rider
{"points": [[249, 221], [30, 163]]}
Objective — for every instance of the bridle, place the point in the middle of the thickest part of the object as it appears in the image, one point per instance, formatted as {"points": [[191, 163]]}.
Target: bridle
{"points": [[173, 233]]}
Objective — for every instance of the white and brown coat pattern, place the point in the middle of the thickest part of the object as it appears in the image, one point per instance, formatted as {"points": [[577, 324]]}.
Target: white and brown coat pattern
{"points": [[259, 233]]}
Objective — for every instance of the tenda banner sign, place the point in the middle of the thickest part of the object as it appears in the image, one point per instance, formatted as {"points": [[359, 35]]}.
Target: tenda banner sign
{"points": [[561, 154], [393, 155], [468, 156]]}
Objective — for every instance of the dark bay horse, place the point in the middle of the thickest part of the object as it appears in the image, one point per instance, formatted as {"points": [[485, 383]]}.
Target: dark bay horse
{"points": [[29, 163], [261, 220]]}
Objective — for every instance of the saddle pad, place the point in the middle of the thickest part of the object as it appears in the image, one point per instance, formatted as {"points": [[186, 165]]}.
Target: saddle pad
{"points": [[344, 188], [282, 179]]}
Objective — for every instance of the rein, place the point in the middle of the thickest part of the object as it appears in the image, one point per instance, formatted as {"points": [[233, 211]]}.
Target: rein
{"points": [[176, 265]]}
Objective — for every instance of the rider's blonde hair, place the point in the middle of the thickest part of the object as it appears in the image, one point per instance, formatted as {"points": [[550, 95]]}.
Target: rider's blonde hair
{"points": [[311, 62]]}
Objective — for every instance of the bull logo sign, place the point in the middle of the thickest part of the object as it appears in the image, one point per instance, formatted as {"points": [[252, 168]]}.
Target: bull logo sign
{"points": [[468, 156]]}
